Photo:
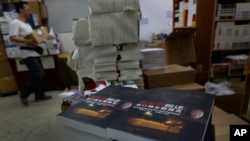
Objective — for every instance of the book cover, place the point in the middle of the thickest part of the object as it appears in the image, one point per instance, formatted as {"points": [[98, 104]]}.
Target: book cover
{"points": [[95, 113], [165, 114]]}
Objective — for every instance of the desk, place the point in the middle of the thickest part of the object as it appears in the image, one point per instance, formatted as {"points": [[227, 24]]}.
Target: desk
{"points": [[52, 79]]}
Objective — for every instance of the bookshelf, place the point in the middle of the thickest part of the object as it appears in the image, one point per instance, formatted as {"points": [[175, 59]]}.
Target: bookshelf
{"points": [[197, 14], [233, 49], [231, 30], [206, 21], [245, 111], [37, 7]]}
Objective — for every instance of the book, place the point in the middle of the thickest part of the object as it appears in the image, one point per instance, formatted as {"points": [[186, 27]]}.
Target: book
{"points": [[165, 114], [106, 28], [109, 6], [94, 114]]}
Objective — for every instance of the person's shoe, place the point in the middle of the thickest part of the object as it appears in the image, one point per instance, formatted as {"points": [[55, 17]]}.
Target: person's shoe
{"points": [[24, 101], [42, 99]]}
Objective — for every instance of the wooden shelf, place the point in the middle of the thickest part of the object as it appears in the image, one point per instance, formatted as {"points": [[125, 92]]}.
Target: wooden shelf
{"points": [[231, 76], [231, 20], [8, 2], [233, 49], [188, 27], [245, 117]]}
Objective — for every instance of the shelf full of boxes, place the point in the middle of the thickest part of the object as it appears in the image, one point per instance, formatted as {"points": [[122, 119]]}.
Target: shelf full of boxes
{"points": [[38, 18], [231, 40]]}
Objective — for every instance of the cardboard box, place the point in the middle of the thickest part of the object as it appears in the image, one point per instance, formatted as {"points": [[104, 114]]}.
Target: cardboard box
{"points": [[3, 54], [7, 84], [179, 46], [171, 75], [39, 34], [5, 69], [190, 87], [114, 28]]}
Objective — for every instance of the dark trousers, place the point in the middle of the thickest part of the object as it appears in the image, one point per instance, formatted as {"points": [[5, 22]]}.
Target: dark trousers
{"points": [[36, 82]]}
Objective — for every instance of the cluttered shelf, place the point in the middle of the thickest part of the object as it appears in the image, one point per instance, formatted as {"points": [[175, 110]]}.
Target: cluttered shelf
{"points": [[228, 76], [232, 49], [8, 2], [232, 20], [187, 27]]}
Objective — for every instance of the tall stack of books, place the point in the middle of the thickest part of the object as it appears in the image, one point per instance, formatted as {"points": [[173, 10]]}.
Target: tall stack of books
{"points": [[129, 61], [105, 63], [153, 58], [111, 25]]}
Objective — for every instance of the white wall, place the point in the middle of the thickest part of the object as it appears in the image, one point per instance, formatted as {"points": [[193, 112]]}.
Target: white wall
{"points": [[61, 13], [156, 17]]}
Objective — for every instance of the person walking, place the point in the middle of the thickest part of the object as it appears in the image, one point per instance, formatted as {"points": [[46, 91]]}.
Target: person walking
{"points": [[29, 53]]}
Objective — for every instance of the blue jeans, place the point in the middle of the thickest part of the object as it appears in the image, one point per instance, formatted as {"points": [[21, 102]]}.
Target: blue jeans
{"points": [[36, 82]]}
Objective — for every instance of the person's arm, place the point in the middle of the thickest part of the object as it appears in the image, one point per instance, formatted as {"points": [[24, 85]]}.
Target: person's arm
{"points": [[14, 35], [19, 39]]}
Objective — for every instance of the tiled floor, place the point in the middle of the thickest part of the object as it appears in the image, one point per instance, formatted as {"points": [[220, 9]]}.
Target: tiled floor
{"points": [[37, 122]]}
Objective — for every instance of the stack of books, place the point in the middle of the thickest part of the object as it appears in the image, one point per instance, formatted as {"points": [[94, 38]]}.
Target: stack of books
{"points": [[128, 114], [226, 11], [153, 58], [231, 36], [105, 63], [242, 11], [128, 63], [111, 24]]}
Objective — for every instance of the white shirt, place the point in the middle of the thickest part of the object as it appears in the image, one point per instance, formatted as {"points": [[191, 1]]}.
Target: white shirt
{"points": [[19, 28]]}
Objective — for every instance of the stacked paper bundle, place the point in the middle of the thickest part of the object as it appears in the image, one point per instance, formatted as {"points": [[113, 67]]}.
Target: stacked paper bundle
{"points": [[153, 58], [111, 23], [129, 61], [4, 25], [80, 30], [115, 22], [105, 63], [242, 11], [114, 28], [110, 6]]}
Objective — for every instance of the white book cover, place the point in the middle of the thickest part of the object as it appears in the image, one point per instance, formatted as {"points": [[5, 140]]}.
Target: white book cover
{"points": [[133, 47], [105, 49], [124, 77], [114, 28], [128, 65], [87, 55], [109, 6], [131, 72], [107, 67], [108, 58], [130, 56], [80, 31], [108, 75]]}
